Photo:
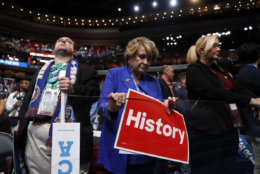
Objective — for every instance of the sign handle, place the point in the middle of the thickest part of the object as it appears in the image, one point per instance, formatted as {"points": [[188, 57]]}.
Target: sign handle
{"points": [[63, 101]]}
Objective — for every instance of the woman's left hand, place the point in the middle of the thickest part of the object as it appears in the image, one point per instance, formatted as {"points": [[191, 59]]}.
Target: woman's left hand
{"points": [[170, 104]]}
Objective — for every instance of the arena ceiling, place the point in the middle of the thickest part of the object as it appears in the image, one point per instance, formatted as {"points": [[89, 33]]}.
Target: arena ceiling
{"points": [[105, 8]]}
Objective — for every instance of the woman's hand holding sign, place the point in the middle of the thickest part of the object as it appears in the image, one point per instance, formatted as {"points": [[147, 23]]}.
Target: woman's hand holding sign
{"points": [[116, 101]]}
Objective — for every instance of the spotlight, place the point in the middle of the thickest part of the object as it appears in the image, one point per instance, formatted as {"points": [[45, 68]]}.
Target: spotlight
{"points": [[154, 4], [119, 9], [136, 8], [173, 3]]}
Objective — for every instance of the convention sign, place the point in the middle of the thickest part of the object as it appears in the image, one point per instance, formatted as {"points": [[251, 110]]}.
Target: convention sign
{"points": [[146, 128], [65, 148]]}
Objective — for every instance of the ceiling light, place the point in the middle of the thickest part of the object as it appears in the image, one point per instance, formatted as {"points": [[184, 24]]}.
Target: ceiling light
{"points": [[216, 7], [154, 4], [194, 1], [173, 3], [136, 8], [119, 9]]}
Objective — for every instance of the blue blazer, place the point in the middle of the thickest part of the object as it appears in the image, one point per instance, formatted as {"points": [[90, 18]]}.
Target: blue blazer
{"points": [[119, 80]]}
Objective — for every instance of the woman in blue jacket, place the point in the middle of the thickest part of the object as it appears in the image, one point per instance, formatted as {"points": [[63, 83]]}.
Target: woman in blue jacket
{"points": [[140, 52]]}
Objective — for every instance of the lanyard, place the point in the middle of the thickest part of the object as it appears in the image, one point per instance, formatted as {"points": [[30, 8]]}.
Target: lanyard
{"points": [[137, 88], [132, 76]]}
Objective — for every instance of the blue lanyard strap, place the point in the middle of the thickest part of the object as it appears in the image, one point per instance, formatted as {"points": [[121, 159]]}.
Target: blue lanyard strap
{"points": [[132, 76], [137, 88]]}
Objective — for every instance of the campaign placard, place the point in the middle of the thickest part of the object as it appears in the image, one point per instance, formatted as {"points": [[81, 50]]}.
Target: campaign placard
{"points": [[147, 129], [65, 148]]}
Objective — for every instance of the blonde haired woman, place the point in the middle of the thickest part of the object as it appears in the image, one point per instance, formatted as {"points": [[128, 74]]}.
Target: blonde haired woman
{"points": [[140, 53], [211, 120]]}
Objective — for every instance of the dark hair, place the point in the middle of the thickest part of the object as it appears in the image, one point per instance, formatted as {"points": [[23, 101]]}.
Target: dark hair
{"points": [[248, 52], [181, 76]]}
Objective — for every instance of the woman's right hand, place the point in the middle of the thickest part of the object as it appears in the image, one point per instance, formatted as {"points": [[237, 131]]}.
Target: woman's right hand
{"points": [[255, 102], [116, 101]]}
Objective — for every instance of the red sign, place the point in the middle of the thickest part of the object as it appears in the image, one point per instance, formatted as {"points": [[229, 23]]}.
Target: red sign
{"points": [[147, 129]]}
